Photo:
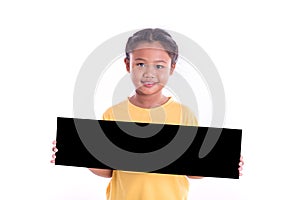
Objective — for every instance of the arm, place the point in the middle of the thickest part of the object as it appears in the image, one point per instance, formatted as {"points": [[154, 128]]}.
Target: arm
{"points": [[195, 177], [106, 173]]}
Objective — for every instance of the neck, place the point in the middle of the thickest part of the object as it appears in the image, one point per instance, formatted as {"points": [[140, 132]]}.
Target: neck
{"points": [[148, 101]]}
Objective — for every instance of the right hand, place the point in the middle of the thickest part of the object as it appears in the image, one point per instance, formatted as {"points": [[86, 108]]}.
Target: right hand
{"points": [[54, 150], [100, 172]]}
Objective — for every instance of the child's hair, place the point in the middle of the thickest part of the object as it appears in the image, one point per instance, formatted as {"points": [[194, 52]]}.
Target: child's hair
{"points": [[153, 35]]}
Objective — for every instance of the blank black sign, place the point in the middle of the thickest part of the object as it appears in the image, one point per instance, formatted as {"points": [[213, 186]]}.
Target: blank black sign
{"points": [[222, 161]]}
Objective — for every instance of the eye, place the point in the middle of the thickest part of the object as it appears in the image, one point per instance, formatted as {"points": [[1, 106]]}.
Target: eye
{"points": [[159, 67], [140, 64]]}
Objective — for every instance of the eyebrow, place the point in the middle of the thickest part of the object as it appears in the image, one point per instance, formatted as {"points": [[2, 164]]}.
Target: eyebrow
{"points": [[156, 61]]}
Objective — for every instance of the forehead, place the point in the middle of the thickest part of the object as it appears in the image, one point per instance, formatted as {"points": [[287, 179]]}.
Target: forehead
{"points": [[150, 51]]}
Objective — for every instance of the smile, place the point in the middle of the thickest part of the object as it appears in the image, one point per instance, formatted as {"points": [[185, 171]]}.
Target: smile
{"points": [[148, 83]]}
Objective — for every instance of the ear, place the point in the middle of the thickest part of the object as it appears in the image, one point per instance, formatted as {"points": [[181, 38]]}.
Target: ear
{"points": [[127, 64], [172, 68]]}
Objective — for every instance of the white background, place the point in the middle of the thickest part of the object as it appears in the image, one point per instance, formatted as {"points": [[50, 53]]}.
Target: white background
{"points": [[255, 46]]}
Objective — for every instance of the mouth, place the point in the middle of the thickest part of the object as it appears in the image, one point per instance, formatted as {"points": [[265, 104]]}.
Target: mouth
{"points": [[148, 84]]}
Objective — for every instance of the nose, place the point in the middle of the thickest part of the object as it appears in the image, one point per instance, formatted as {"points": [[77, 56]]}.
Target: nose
{"points": [[149, 71]]}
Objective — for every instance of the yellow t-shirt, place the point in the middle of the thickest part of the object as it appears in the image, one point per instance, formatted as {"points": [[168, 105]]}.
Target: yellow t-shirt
{"points": [[125, 185]]}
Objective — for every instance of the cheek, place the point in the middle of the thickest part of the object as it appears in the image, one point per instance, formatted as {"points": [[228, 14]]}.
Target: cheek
{"points": [[163, 77], [135, 76]]}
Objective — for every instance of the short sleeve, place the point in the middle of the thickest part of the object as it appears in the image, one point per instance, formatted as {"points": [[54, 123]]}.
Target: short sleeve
{"points": [[188, 117]]}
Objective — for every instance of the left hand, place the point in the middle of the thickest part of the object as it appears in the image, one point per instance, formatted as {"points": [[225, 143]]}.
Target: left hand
{"points": [[241, 163]]}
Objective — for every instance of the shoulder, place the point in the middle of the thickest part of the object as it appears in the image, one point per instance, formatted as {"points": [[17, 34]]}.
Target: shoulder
{"points": [[188, 117], [120, 107], [185, 110]]}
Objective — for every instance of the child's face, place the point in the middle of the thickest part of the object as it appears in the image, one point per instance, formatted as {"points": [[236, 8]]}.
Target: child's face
{"points": [[150, 67]]}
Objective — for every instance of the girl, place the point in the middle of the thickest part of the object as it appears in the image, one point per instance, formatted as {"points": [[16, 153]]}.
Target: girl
{"points": [[151, 56]]}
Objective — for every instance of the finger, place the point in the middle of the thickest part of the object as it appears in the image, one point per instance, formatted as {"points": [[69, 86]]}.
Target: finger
{"points": [[54, 142], [52, 161], [54, 149], [54, 156], [240, 168], [240, 174], [241, 162]]}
